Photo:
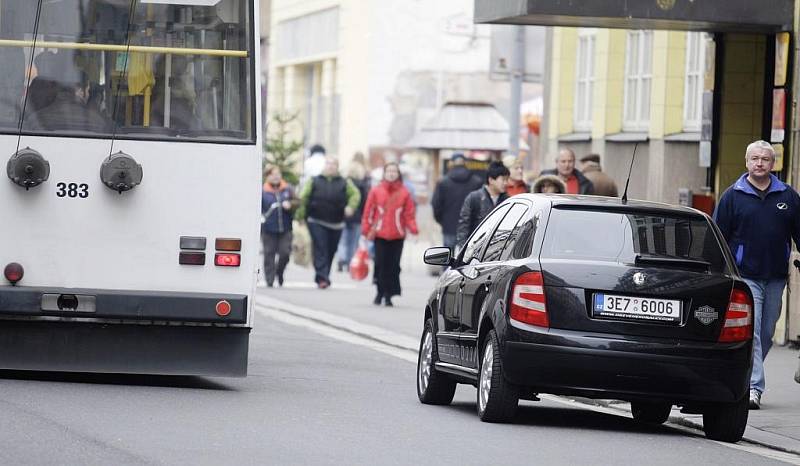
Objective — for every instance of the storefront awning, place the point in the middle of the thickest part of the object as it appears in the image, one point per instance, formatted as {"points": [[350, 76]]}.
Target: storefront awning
{"points": [[703, 15], [465, 126]]}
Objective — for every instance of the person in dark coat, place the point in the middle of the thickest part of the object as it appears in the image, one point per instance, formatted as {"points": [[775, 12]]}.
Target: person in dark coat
{"points": [[480, 202], [448, 198], [278, 202], [759, 216], [565, 169], [65, 105]]}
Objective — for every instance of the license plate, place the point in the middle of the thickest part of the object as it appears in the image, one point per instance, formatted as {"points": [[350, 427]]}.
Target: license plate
{"points": [[636, 308]]}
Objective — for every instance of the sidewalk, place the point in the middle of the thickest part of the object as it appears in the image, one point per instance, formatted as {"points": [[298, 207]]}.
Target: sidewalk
{"points": [[347, 305]]}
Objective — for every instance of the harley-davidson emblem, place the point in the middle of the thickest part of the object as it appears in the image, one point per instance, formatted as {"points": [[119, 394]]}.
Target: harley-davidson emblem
{"points": [[639, 278], [706, 314], [665, 5]]}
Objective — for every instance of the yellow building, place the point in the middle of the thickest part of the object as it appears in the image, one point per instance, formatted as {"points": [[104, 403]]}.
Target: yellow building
{"points": [[613, 90]]}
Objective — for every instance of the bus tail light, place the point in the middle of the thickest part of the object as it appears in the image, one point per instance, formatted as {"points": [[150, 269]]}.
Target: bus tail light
{"points": [[228, 244], [14, 272], [223, 308], [227, 259], [528, 300], [192, 258]]}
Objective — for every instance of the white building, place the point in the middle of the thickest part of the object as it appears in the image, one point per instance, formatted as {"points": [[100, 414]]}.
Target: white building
{"points": [[363, 75]]}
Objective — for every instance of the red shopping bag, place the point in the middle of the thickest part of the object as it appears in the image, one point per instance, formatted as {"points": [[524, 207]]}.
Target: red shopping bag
{"points": [[359, 264]]}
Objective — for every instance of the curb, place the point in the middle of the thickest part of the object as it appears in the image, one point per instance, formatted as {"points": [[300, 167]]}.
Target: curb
{"points": [[380, 335]]}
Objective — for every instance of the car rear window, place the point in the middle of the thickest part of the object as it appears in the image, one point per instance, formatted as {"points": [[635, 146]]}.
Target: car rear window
{"points": [[624, 236]]}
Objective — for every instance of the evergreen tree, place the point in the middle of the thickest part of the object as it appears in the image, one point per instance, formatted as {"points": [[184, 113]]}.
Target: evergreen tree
{"points": [[279, 148]]}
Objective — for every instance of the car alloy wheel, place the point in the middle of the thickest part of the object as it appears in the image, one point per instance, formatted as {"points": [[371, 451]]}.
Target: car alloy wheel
{"points": [[425, 362], [497, 399], [433, 387], [485, 385]]}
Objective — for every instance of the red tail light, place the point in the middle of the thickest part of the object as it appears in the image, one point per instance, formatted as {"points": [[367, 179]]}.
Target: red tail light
{"points": [[527, 300], [14, 272], [738, 325], [223, 308], [227, 259]]}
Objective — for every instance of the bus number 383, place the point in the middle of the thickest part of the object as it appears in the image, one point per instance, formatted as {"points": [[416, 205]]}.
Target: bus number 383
{"points": [[72, 190]]}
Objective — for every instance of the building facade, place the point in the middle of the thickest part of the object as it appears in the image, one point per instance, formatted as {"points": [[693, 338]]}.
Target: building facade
{"points": [[365, 75], [612, 91], [634, 85]]}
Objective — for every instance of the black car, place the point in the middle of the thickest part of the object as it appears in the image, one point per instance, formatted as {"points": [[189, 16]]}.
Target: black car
{"points": [[589, 296]]}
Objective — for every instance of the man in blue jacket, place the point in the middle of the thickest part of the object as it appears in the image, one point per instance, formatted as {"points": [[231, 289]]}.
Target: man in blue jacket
{"points": [[759, 216]]}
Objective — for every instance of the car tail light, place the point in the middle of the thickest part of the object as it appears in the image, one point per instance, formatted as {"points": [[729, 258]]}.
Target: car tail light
{"points": [[738, 325], [527, 300], [14, 272], [227, 259]]}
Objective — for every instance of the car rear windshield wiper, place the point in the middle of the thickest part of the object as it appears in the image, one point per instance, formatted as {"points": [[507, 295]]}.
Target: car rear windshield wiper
{"points": [[673, 261]]}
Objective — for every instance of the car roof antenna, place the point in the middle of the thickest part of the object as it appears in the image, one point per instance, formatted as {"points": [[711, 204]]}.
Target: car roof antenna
{"points": [[625, 193]]}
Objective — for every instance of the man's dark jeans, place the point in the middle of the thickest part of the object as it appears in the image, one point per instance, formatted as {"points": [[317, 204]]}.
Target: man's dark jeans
{"points": [[324, 242]]}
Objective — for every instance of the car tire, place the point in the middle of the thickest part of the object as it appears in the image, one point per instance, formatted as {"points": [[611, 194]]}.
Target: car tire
{"points": [[650, 413], [726, 422], [497, 399], [433, 387]]}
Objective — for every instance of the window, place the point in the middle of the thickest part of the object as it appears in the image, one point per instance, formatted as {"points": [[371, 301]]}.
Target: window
{"points": [[476, 242], [695, 71], [638, 76], [574, 234], [584, 80], [520, 244], [309, 35], [187, 73], [503, 234]]}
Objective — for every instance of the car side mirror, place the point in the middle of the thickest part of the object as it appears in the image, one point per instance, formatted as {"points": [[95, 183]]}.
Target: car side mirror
{"points": [[438, 256]]}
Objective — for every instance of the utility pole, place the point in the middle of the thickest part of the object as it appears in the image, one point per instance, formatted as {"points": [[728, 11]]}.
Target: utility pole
{"points": [[516, 75]]}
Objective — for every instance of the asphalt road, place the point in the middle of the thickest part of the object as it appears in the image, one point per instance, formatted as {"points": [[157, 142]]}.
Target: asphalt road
{"points": [[312, 399]]}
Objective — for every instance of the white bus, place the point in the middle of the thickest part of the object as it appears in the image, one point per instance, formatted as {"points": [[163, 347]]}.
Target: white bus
{"points": [[129, 217]]}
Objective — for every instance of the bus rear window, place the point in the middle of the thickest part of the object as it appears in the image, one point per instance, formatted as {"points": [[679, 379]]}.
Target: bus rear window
{"points": [[624, 236], [186, 73]]}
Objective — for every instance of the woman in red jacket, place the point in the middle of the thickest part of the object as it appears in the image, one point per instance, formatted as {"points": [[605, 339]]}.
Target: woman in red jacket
{"points": [[388, 214]]}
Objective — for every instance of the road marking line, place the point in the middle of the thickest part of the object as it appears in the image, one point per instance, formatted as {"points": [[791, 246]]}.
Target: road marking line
{"points": [[337, 334], [322, 327], [371, 332], [309, 286]]}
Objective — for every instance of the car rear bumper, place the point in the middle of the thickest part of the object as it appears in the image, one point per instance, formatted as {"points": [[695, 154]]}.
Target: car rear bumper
{"points": [[573, 363], [122, 304]]}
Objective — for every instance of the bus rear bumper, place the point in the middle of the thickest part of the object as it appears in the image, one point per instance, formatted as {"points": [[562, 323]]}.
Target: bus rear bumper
{"points": [[122, 304], [123, 348]]}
